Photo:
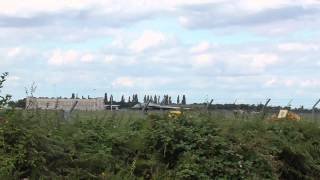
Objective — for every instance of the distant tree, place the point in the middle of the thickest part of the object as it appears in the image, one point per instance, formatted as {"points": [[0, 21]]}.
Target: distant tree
{"points": [[122, 99], [178, 99], [105, 98], [21, 103], [88, 96], [301, 108], [135, 98], [163, 101], [12, 104], [166, 99], [184, 101], [129, 101], [155, 99], [73, 96], [169, 100], [145, 98], [111, 98]]}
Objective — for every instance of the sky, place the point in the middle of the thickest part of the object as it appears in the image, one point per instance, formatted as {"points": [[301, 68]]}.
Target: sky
{"points": [[244, 51]]}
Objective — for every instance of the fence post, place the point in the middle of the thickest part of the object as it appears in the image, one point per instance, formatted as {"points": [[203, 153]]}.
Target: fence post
{"points": [[209, 104], [264, 108], [313, 109]]}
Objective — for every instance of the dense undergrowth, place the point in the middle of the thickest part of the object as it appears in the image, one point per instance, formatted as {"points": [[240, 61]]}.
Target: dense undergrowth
{"points": [[39, 145]]}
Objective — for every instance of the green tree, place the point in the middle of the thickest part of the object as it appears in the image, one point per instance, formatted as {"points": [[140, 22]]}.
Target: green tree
{"points": [[178, 99], [105, 98], [184, 101], [155, 99], [111, 98], [21, 103], [4, 99]]}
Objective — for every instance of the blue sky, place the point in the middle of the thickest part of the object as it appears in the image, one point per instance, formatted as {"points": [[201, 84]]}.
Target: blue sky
{"points": [[221, 49]]}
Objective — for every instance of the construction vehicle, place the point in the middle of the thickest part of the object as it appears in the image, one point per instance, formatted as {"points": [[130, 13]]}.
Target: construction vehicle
{"points": [[174, 114], [285, 114]]}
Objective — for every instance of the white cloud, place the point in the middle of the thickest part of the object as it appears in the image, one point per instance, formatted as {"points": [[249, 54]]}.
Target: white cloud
{"points": [[66, 57], [271, 82], [123, 82], [298, 47], [184, 21], [141, 82], [14, 78], [261, 61], [290, 82], [88, 57], [60, 57], [149, 39], [263, 4], [201, 47], [38, 6], [13, 52], [203, 60], [109, 59], [310, 83]]}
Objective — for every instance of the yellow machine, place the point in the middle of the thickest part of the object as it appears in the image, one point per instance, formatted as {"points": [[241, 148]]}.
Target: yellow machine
{"points": [[286, 115], [174, 114]]}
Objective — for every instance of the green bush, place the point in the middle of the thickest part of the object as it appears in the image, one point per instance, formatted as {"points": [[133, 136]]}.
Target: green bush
{"points": [[39, 145]]}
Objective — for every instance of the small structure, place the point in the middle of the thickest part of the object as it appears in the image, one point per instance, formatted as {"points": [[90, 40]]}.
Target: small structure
{"points": [[283, 113], [93, 104], [112, 107]]}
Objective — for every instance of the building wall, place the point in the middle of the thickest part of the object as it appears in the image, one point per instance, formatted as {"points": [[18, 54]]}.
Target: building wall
{"points": [[65, 104]]}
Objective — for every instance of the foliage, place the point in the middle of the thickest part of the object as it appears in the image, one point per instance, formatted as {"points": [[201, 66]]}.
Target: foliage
{"points": [[105, 145], [3, 99]]}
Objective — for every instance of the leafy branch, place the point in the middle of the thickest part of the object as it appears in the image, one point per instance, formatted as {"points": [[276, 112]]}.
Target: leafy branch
{"points": [[3, 98]]}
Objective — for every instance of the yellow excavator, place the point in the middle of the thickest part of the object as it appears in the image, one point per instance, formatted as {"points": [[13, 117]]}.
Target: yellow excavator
{"points": [[285, 114], [174, 114]]}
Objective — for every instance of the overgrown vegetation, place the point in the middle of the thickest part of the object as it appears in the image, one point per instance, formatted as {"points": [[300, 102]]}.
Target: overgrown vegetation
{"points": [[38, 144], [117, 145]]}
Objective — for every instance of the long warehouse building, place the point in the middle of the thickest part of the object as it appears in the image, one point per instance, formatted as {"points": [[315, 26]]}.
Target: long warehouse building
{"points": [[92, 104]]}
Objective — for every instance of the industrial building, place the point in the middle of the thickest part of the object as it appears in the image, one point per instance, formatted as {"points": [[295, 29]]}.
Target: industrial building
{"points": [[92, 104]]}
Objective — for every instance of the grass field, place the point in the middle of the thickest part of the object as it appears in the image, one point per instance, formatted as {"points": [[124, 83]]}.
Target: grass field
{"points": [[133, 145]]}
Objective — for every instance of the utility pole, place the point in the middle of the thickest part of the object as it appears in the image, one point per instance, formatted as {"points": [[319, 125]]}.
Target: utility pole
{"points": [[313, 109]]}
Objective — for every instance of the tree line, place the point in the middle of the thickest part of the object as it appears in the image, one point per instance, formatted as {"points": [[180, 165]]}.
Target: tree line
{"points": [[134, 99]]}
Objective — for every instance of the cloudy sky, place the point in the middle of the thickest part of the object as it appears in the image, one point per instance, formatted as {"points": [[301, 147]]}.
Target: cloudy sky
{"points": [[223, 49]]}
